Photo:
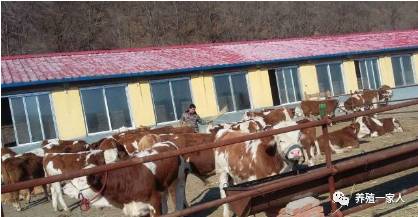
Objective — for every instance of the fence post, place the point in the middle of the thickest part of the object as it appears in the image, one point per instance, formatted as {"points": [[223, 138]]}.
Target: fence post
{"points": [[331, 181]]}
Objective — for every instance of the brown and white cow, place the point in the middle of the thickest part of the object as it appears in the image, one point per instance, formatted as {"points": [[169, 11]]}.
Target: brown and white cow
{"points": [[64, 146], [345, 138], [385, 93], [270, 116], [142, 190], [59, 163], [311, 107], [379, 127], [256, 159], [201, 163], [354, 103], [247, 126], [19, 168]]}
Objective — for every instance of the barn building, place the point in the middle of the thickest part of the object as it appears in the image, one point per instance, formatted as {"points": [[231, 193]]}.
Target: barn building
{"points": [[82, 94]]}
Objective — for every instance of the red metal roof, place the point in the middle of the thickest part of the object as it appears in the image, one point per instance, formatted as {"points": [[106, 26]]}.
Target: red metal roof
{"points": [[60, 67]]}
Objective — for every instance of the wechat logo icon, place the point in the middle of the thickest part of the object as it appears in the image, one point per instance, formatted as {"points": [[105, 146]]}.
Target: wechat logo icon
{"points": [[340, 198]]}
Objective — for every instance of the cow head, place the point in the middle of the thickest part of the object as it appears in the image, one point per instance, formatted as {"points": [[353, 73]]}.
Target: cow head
{"points": [[298, 112], [79, 187], [113, 150], [385, 92], [288, 144], [147, 141], [362, 129], [397, 126]]}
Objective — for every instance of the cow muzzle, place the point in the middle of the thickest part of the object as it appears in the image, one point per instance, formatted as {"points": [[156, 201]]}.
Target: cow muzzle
{"points": [[294, 152]]}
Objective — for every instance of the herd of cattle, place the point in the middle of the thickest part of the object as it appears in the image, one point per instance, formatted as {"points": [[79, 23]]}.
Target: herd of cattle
{"points": [[143, 190]]}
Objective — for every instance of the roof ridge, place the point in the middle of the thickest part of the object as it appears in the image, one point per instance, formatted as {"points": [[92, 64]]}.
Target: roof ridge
{"points": [[199, 45]]}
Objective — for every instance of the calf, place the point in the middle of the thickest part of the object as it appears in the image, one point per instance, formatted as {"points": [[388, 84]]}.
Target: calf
{"points": [[142, 190], [255, 159], [379, 127], [354, 103], [345, 138], [311, 107], [21, 168], [371, 98], [385, 93], [307, 140]]}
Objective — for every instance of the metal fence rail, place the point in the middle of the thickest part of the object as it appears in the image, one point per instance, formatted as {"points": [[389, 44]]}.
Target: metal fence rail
{"points": [[326, 172]]}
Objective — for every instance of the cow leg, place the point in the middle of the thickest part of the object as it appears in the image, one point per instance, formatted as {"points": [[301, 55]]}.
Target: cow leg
{"points": [[28, 195], [310, 156], [155, 207], [45, 192], [307, 157], [164, 206], [56, 189], [223, 181], [318, 150], [54, 196], [15, 200]]}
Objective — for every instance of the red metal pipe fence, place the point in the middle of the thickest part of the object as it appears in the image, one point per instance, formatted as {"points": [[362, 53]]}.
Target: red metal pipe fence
{"points": [[327, 172]]}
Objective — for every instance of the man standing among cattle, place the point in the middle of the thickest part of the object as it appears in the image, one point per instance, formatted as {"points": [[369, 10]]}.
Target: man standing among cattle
{"points": [[191, 118]]}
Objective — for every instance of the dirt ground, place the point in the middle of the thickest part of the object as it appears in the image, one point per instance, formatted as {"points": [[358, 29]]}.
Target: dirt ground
{"points": [[198, 193]]}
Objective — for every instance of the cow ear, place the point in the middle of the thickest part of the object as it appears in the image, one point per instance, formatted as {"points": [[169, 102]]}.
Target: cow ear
{"points": [[271, 149]]}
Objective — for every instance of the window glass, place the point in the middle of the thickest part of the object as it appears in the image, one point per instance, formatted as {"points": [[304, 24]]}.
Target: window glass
{"points": [[323, 82], [281, 84], [239, 84], [407, 70], [336, 79], [46, 116], [364, 75], [289, 85], [223, 93], [376, 73], [117, 103], [34, 119], [296, 84], [182, 95], [397, 71], [163, 105], [370, 75], [95, 110], [20, 123]]}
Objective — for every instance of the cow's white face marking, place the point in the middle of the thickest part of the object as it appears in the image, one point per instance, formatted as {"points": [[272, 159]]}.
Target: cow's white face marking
{"points": [[137, 208], [298, 111], [111, 155], [285, 140]]}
